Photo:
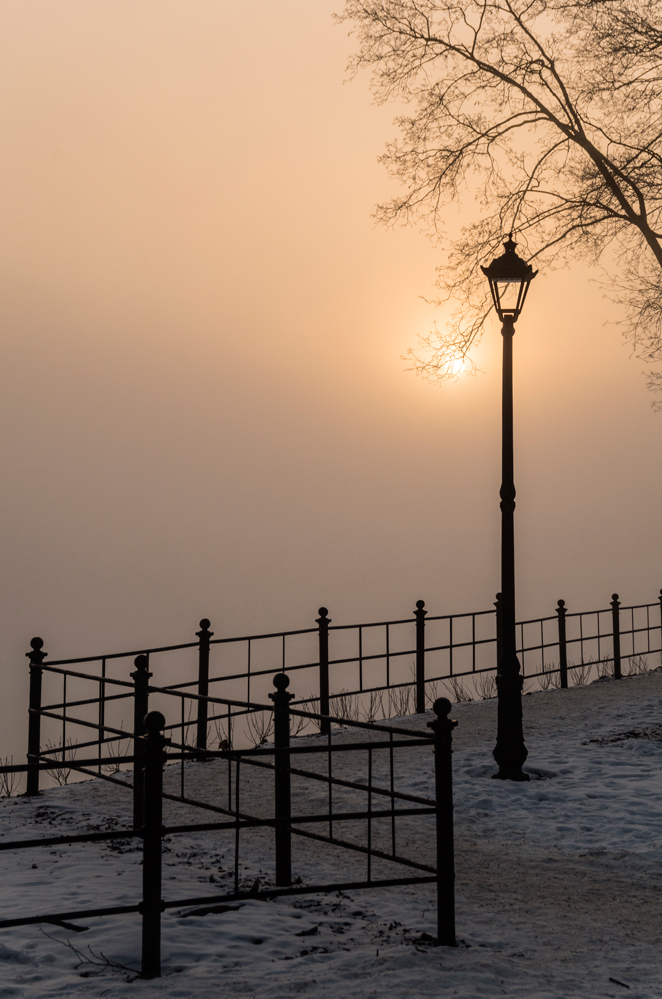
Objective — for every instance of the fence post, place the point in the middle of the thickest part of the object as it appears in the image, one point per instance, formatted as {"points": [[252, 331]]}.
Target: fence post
{"points": [[615, 617], [36, 658], [324, 621], [420, 613], [283, 806], [140, 708], [563, 646], [203, 681], [443, 726], [152, 906], [499, 627]]}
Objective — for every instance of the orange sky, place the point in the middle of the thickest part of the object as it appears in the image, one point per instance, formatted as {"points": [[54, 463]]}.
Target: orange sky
{"points": [[203, 406]]}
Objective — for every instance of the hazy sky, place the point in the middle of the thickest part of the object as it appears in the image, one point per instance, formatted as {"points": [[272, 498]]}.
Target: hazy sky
{"points": [[203, 406]]}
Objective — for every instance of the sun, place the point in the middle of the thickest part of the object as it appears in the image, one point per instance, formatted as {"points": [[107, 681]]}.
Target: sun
{"points": [[456, 366]]}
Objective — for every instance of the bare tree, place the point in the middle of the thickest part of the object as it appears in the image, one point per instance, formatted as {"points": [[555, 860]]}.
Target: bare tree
{"points": [[548, 113]]}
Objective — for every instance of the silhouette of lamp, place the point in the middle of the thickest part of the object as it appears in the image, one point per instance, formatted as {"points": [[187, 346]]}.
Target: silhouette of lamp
{"points": [[509, 277]]}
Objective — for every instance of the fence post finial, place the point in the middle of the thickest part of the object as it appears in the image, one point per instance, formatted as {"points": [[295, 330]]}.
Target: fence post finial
{"points": [[616, 631], [36, 657], [443, 726], [323, 622], [140, 677], [152, 905], [204, 636], [282, 789], [563, 644], [154, 722], [419, 614]]}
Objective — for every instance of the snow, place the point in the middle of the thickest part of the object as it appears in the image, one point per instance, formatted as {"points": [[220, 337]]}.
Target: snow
{"points": [[558, 879]]}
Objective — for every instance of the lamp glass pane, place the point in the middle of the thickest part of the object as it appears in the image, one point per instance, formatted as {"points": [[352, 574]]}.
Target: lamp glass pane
{"points": [[509, 294]]}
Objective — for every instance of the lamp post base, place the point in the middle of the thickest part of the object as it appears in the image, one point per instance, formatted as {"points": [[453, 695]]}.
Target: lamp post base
{"points": [[510, 753], [511, 775]]}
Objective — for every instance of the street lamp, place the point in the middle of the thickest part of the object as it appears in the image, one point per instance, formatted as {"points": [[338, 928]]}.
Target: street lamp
{"points": [[509, 277]]}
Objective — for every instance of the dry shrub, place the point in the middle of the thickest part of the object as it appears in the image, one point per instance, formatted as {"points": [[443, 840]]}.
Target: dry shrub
{"points": [[374, 709], [637, 665], [300, 722], [458, 690], [260, 725], [401, 700], [581, 673], [66, 754], [605, 668], [188, 726], [8, 781], [549, 678], [222, 734], [486, 685], [432, 692], [116, 749], [344, 706]]}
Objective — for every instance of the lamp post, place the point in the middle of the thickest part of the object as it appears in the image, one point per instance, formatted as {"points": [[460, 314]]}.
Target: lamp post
{"points": [[509, 277]]}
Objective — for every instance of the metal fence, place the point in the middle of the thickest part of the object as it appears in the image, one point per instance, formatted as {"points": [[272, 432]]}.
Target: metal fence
{"points": [[612, 641], [87, 715], [375, 804], [365, 672]]}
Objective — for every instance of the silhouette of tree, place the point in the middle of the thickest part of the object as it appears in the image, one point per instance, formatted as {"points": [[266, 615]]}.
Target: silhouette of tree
{"points": [[548, 112]]}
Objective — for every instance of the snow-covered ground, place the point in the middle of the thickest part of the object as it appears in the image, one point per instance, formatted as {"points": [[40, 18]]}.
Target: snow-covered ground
{"points": [[558, 880]]}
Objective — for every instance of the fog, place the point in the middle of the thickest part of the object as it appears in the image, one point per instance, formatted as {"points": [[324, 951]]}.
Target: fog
{"points": [[204, 410]]}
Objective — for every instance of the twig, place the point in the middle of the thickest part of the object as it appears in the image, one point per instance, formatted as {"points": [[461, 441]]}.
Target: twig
{"points": [[99, 960]]}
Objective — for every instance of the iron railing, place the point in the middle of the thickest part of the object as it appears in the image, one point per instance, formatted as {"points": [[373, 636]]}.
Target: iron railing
{"points": [[291, 768], [368, 671]]}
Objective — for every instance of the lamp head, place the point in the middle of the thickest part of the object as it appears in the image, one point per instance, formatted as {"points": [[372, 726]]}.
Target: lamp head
{"points": [[509, 277]]}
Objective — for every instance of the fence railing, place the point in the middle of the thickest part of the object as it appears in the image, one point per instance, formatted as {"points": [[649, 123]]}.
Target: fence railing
{"points": [[291, 768], [369, 671], [600, 640], [87, 715]]}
